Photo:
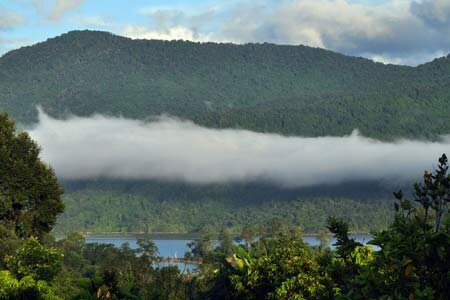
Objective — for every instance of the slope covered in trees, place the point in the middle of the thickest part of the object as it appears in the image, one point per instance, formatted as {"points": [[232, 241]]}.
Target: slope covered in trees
{"points": [[292, 90], [263, 87], [149, 206]]}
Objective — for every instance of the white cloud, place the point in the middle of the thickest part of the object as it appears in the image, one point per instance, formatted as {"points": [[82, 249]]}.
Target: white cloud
{"points": [[53, 10], [175, 23], [317, 23], [387, 30], [9, 19], [398, 31], [62, 6], [412, 59], [174, 33], [171, 149]]}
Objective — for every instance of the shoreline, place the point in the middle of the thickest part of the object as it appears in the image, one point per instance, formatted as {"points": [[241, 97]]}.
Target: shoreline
{"points": [[182, 235]]}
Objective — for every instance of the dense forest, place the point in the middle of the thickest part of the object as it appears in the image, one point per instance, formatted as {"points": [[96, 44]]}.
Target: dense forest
{"points": [[273, 262], [104, 206], [291, 90]]}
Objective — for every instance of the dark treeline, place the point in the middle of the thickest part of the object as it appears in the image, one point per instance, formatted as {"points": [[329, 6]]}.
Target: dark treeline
{"points": [[293, 90], [150, 206]]}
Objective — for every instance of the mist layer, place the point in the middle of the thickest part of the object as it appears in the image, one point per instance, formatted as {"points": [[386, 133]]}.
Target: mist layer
{"points": [[178, 150]]}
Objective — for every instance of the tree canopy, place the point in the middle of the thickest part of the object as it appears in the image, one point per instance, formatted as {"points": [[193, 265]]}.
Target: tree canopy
{"points": [[262, 87], [30, 196]]}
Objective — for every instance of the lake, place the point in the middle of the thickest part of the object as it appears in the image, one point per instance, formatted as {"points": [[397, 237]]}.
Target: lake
{"points": [[176, 245]]}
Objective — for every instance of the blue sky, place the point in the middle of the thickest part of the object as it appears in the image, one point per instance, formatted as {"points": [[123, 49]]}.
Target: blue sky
{"points": [[398, 31]]}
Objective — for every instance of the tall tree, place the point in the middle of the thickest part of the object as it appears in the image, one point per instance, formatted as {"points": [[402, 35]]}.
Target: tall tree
{"points": [[30, 196]]}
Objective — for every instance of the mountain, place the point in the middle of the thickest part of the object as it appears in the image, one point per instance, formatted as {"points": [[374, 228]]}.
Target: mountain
{"points": [[293, 90]]}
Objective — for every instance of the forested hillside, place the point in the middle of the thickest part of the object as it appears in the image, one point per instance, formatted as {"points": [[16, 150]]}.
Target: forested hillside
{"points": [[264, 87], [151, 206], [292, 90]]}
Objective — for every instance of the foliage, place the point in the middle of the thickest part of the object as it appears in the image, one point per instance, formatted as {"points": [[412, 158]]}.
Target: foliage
{"points": [[26, 288], [30, 196], [99, 271], [264, 87], [288, 270], [34, 260], [147, 249], [414, 259], [272, 262], [125, 206]]}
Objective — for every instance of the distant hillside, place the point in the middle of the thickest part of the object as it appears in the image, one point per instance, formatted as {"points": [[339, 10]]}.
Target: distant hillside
{"points": [[264, 87], [294, 90], [151, 206]]}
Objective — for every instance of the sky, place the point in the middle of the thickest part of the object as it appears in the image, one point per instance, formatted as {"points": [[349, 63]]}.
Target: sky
{"points": [[407, 32]]}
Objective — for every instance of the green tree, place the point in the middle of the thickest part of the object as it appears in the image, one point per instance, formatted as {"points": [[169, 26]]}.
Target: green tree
{"points": [[203, 246], [35, 260], [414, 257], [30, 196], [31, 270], [225, 242], [248, 234], [289, 270], [147, 249], [26, 288]]}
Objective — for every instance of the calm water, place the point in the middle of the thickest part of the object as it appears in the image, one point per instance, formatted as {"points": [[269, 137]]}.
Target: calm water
{"points": [[176, 246]]}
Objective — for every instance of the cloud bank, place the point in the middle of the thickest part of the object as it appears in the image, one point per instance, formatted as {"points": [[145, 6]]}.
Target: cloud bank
{"points": [[173, 33], [176, 150]]}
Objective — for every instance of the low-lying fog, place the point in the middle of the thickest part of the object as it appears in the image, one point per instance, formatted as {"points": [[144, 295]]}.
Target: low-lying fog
{"points": [[173, 149]]}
